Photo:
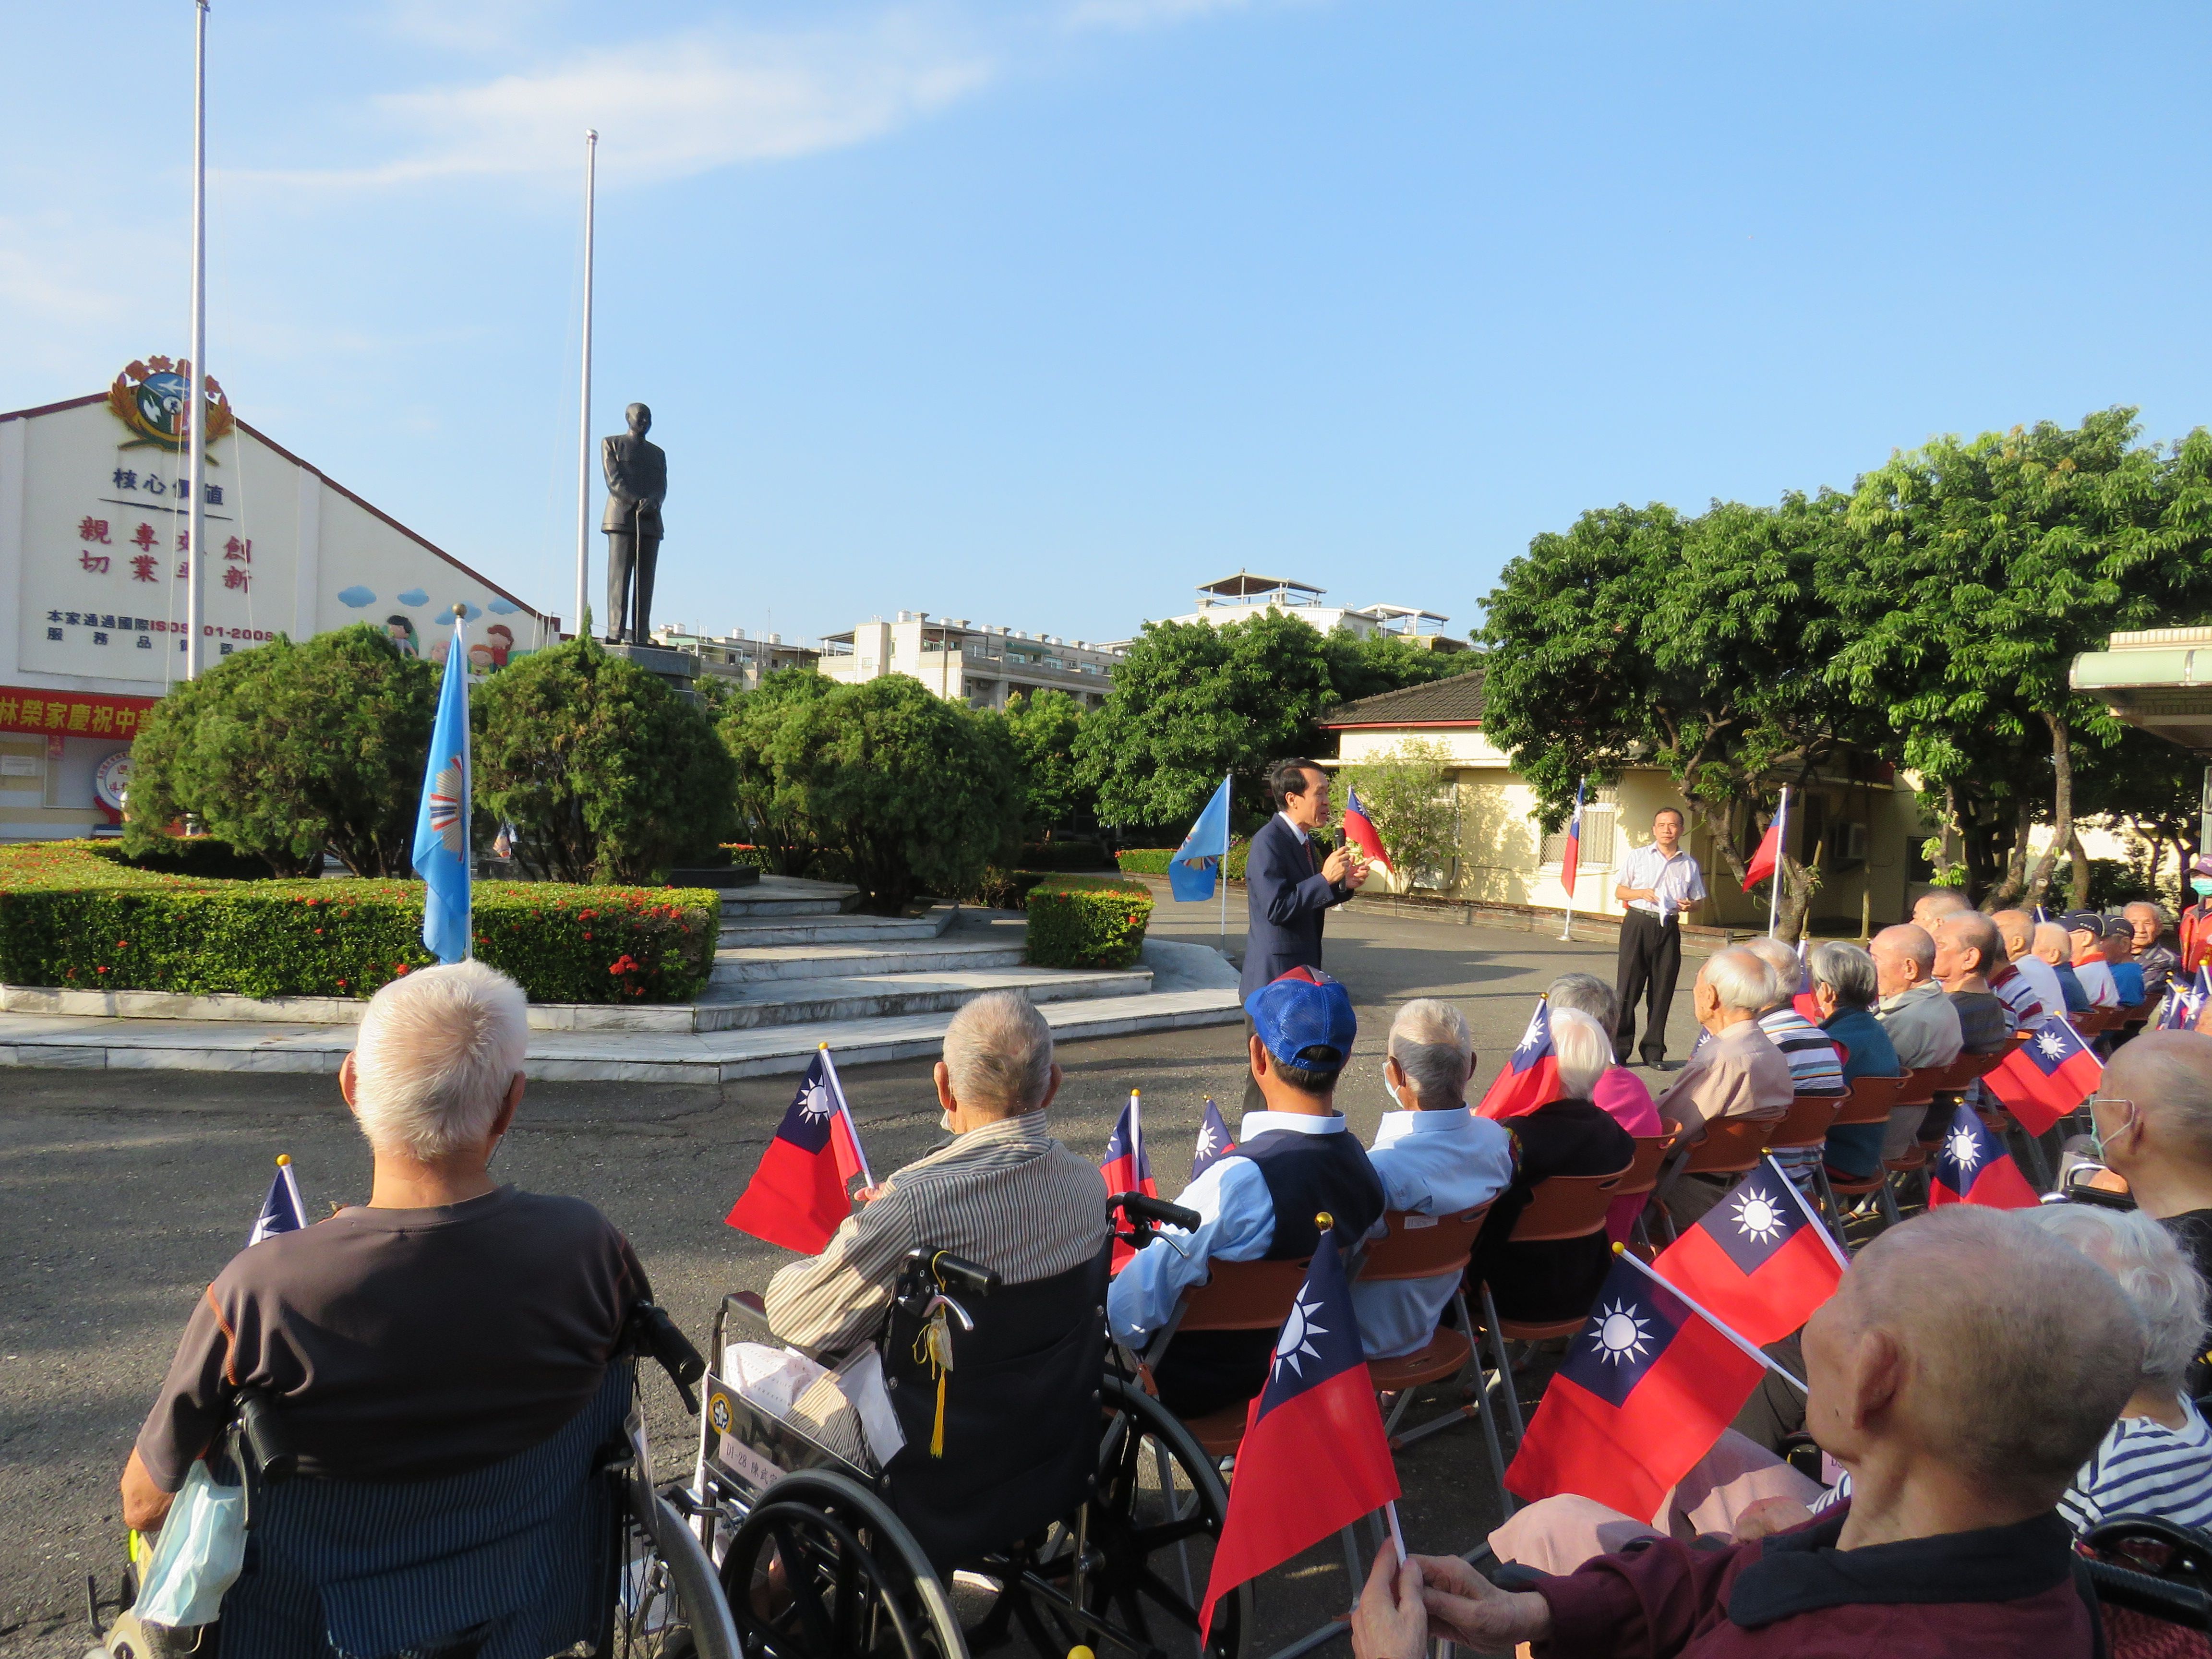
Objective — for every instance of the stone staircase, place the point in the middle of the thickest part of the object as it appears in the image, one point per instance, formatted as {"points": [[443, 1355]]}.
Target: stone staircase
{"points": [[794, 969]]}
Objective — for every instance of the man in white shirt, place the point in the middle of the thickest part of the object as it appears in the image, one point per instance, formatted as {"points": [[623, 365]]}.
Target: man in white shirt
{"points": [[2031, 990], [1658, 884], [2086, 931], [1435, 1158]]}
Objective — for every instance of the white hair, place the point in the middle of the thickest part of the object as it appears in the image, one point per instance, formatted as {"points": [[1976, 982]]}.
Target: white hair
{"points": [[1781, 961], [998, 1051], [2158, 1279], [1430, 1041], [1739, 979], [437, 1052], [1584, 1049]]}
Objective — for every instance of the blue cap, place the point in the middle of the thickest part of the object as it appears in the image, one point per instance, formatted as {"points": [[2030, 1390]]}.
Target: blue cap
{"points": [[1304, 1009]]}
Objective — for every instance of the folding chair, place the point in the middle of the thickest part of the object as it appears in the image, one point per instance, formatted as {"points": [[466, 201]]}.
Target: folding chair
{"points": [[1917, 1095], [1731, 1146], [1869, 1100], [1642, 1178], [1237, 1296]]}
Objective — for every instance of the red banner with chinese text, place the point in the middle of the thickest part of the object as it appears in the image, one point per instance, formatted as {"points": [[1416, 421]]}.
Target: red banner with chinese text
{"points": [[70, 713]]}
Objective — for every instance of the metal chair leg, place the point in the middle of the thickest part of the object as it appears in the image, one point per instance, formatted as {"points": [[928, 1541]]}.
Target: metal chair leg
{"points": [[1504, 1367], [1827, 1199]]}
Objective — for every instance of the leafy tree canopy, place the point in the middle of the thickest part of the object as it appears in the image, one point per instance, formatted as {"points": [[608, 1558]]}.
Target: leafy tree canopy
{"points": [[1041, 728], [770, 805]]}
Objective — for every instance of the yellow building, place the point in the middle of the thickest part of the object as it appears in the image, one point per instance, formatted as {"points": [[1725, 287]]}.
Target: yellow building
{"points": [[1859, 820]]}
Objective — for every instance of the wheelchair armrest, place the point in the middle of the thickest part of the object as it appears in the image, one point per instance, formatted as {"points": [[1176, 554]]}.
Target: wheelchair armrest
{"points": [[651, 1334], [744, 1319], [264, 1448]]}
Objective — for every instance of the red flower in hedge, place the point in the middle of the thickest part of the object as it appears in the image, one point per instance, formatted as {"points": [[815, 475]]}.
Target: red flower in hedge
{"points": [[399, 967]]}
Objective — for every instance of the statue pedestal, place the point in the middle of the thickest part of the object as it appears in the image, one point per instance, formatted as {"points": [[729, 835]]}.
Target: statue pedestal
{"points": [[677, 668]]}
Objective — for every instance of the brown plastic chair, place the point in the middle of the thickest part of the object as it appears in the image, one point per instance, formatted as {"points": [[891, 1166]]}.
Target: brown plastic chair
{"points": [[1731, 1146], [1806, 1125], [1237, 1296], [1642, 1178], [1871, 1099]]}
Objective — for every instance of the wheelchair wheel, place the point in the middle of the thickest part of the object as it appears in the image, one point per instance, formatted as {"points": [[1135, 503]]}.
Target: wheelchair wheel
{"points": [[821, 1569], [1147, 1549], [668, 1603]]}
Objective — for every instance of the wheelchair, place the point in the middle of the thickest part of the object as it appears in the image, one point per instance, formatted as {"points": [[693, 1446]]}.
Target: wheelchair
{"points": [[599, 1563], [1037, 1492]]}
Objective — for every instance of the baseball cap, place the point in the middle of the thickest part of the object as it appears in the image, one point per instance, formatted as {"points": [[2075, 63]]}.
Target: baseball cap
{"points": [[2084, 922], [1304, 1009]]}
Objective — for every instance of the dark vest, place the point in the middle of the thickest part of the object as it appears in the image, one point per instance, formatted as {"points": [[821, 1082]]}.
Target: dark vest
{"points": [[1307, 1174]]}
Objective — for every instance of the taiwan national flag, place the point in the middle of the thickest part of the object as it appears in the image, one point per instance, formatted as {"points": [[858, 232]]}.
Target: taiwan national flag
{"points": [[1214, 1140], [1314, 1458], [1128, 1167], [2185, 1003], [1764, 861], [2046, 1077], [1530, 1077], [796, 1196], [1972, 1167], [1759, 1261], [1646, 1389], [282, 1212], [1359, 831], [1570, 861]]}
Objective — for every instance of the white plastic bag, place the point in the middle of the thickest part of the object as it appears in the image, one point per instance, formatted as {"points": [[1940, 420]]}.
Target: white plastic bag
{"points": [[197, 1556]]}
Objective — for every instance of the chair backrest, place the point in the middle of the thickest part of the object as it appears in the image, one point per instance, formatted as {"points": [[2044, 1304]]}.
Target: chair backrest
{"points": [[1806, 1125], [1244, 1296], [1869, 1100], [1918, 1088], [1421, 1245], [1567, 1206], [1643, 1173], [1731, 1146]]}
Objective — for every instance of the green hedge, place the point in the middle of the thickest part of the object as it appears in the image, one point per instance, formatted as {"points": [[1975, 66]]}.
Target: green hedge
{"points": [[1087, 921], [1077, 853], [1154, 860], [76, 920]]}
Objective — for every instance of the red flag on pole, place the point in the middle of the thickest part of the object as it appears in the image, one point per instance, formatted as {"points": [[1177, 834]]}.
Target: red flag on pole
{"points": [[2046, 1077], [1757, 1260], [1530, 1076], [1570, 861], [1127, 1167], [1972, 1167], [1314, 1458], [1764, 861], [796, 1196], [1359, 829]]}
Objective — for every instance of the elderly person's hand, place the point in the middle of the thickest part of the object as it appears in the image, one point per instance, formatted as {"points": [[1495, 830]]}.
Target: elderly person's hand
{"points": [[1466, 1608], [1390, 1622], [1768, 1517]]}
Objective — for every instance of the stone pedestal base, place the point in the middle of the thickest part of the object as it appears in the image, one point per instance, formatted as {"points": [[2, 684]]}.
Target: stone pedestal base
{"points": [[677, 668]]}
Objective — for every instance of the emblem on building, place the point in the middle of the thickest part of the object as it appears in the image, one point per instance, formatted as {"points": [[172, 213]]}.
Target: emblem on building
{"points": [[150, 396]]}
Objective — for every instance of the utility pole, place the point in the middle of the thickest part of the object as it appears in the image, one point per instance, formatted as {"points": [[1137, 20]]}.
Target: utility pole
{"points": [[584, 412]]}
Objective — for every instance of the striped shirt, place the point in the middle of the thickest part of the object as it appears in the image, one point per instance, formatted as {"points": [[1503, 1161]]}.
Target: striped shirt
{"points": [[1814, 1066], [1006, 1195], [2143, 1467]]}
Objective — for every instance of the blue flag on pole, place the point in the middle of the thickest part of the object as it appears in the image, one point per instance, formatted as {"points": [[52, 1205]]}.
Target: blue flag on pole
{"points": [[441, 825], [1197, 863]]}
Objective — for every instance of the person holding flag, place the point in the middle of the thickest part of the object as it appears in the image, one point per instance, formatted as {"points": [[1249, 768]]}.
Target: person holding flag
{"points": [[1002, 1193], [1967, 1367], [443, 856], [798, 1197], [1289, 888], [1359, 831], [1127, 1167]]}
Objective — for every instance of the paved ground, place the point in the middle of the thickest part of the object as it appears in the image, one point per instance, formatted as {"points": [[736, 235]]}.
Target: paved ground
{"points": [[123, 1192]]}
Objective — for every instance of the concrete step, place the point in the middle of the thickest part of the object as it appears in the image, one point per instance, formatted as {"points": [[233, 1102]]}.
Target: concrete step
{"points": [[788, 896], [746, 1006], [822, 929], [783, 963]]}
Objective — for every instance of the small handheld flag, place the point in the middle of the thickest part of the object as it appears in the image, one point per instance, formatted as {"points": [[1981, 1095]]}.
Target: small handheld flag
{"points": [[1127, 1167], [1359, 829], [1760, 1260], [282, 1212], [2185, 1003], [441, 822], [1647, 1387], [1197, 864], [1214, 1142], [1530, 1076], [796, 1196], [2044, 1078], [1314, 1458], [1972, 1167]]}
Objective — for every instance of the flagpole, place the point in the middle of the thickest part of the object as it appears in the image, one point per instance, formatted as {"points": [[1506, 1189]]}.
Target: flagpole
{"points": [[1781, 852], [195, 405], [584, 419], [1567, 921], [1811, 1215], [1675, 1291], [1227, 779], [457, 662], [844, 1108]]}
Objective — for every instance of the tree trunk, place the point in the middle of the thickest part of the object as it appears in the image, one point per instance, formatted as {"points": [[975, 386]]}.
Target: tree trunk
{"points": [[1953, 832], [2080, 883], [2062, 807], [1717, 830]]}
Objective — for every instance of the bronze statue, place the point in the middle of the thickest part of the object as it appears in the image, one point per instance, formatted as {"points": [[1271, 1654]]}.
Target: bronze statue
{"points": [[637, 482]]}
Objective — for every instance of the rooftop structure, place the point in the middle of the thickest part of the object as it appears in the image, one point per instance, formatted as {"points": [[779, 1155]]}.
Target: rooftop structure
{"points": [[980, 664], [1233, 598], [734, 656], [2159, 679]]}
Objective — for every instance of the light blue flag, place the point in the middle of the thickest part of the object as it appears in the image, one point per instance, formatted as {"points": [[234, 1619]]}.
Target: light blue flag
{"points": [[1197, 863], [441, 825]]}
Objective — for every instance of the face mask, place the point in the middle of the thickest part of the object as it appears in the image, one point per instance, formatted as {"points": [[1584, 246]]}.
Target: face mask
{"points": [[2097, 1139], [2200, 886], [1396, 1099]]}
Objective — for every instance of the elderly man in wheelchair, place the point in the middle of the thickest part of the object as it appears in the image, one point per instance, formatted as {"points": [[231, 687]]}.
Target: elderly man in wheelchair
{"points": [[412, 1429], [912, 1444]]}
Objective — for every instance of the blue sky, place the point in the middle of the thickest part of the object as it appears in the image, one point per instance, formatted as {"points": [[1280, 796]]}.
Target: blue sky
{"points": [[1043, 314]]}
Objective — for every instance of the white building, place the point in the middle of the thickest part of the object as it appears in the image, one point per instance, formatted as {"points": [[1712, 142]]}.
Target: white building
{"points": [[975, 663], [1233, 598], [734, 656], [93, 594]]}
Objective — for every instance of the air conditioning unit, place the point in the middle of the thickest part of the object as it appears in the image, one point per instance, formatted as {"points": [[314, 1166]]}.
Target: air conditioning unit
{"points": [[1854, 841]]}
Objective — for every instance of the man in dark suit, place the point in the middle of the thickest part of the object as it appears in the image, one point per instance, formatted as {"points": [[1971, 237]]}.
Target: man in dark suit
{"points": [[1288, 886]]}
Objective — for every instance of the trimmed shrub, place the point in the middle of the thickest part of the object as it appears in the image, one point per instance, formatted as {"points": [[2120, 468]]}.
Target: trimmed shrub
{"points": [[74, 918], [206, 857], [1076, 853], [1154, 860], [1087, 921]]}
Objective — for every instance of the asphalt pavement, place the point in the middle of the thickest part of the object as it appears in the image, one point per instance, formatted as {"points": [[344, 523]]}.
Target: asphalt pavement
{"points": [[124, 1193]]}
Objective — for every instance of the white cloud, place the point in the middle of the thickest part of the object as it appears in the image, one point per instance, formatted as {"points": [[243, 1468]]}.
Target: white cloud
{"points": [[1143, 13]]}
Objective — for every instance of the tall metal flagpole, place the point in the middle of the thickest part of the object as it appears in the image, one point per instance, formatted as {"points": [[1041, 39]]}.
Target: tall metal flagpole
{"points": [[195, 407], [1225, 782], [584, 414], [1781, 843]]}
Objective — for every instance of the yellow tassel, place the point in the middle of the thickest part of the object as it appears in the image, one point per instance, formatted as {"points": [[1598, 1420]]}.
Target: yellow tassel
{"points": [[937, 1434]]}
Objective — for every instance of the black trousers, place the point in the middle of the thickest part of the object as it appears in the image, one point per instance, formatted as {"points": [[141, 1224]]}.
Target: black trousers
{"points": [[1650, 956]]}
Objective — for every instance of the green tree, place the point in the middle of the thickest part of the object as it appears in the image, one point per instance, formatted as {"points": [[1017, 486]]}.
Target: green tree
{"points": [[609, 773], [1367, 667], [1407, 792], [770, 805], [288, 752], [913, 793], [1042, 727]]}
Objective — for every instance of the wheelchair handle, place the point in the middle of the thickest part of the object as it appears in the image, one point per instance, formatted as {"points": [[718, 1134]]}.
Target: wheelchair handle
{"points": [[268, 1454], [651, 1332], [954, 1273], [1156, 1212]]}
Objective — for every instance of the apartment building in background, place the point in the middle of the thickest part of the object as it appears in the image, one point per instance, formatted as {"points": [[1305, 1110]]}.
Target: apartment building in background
{"points": [[743, 659], [979, 663]]}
